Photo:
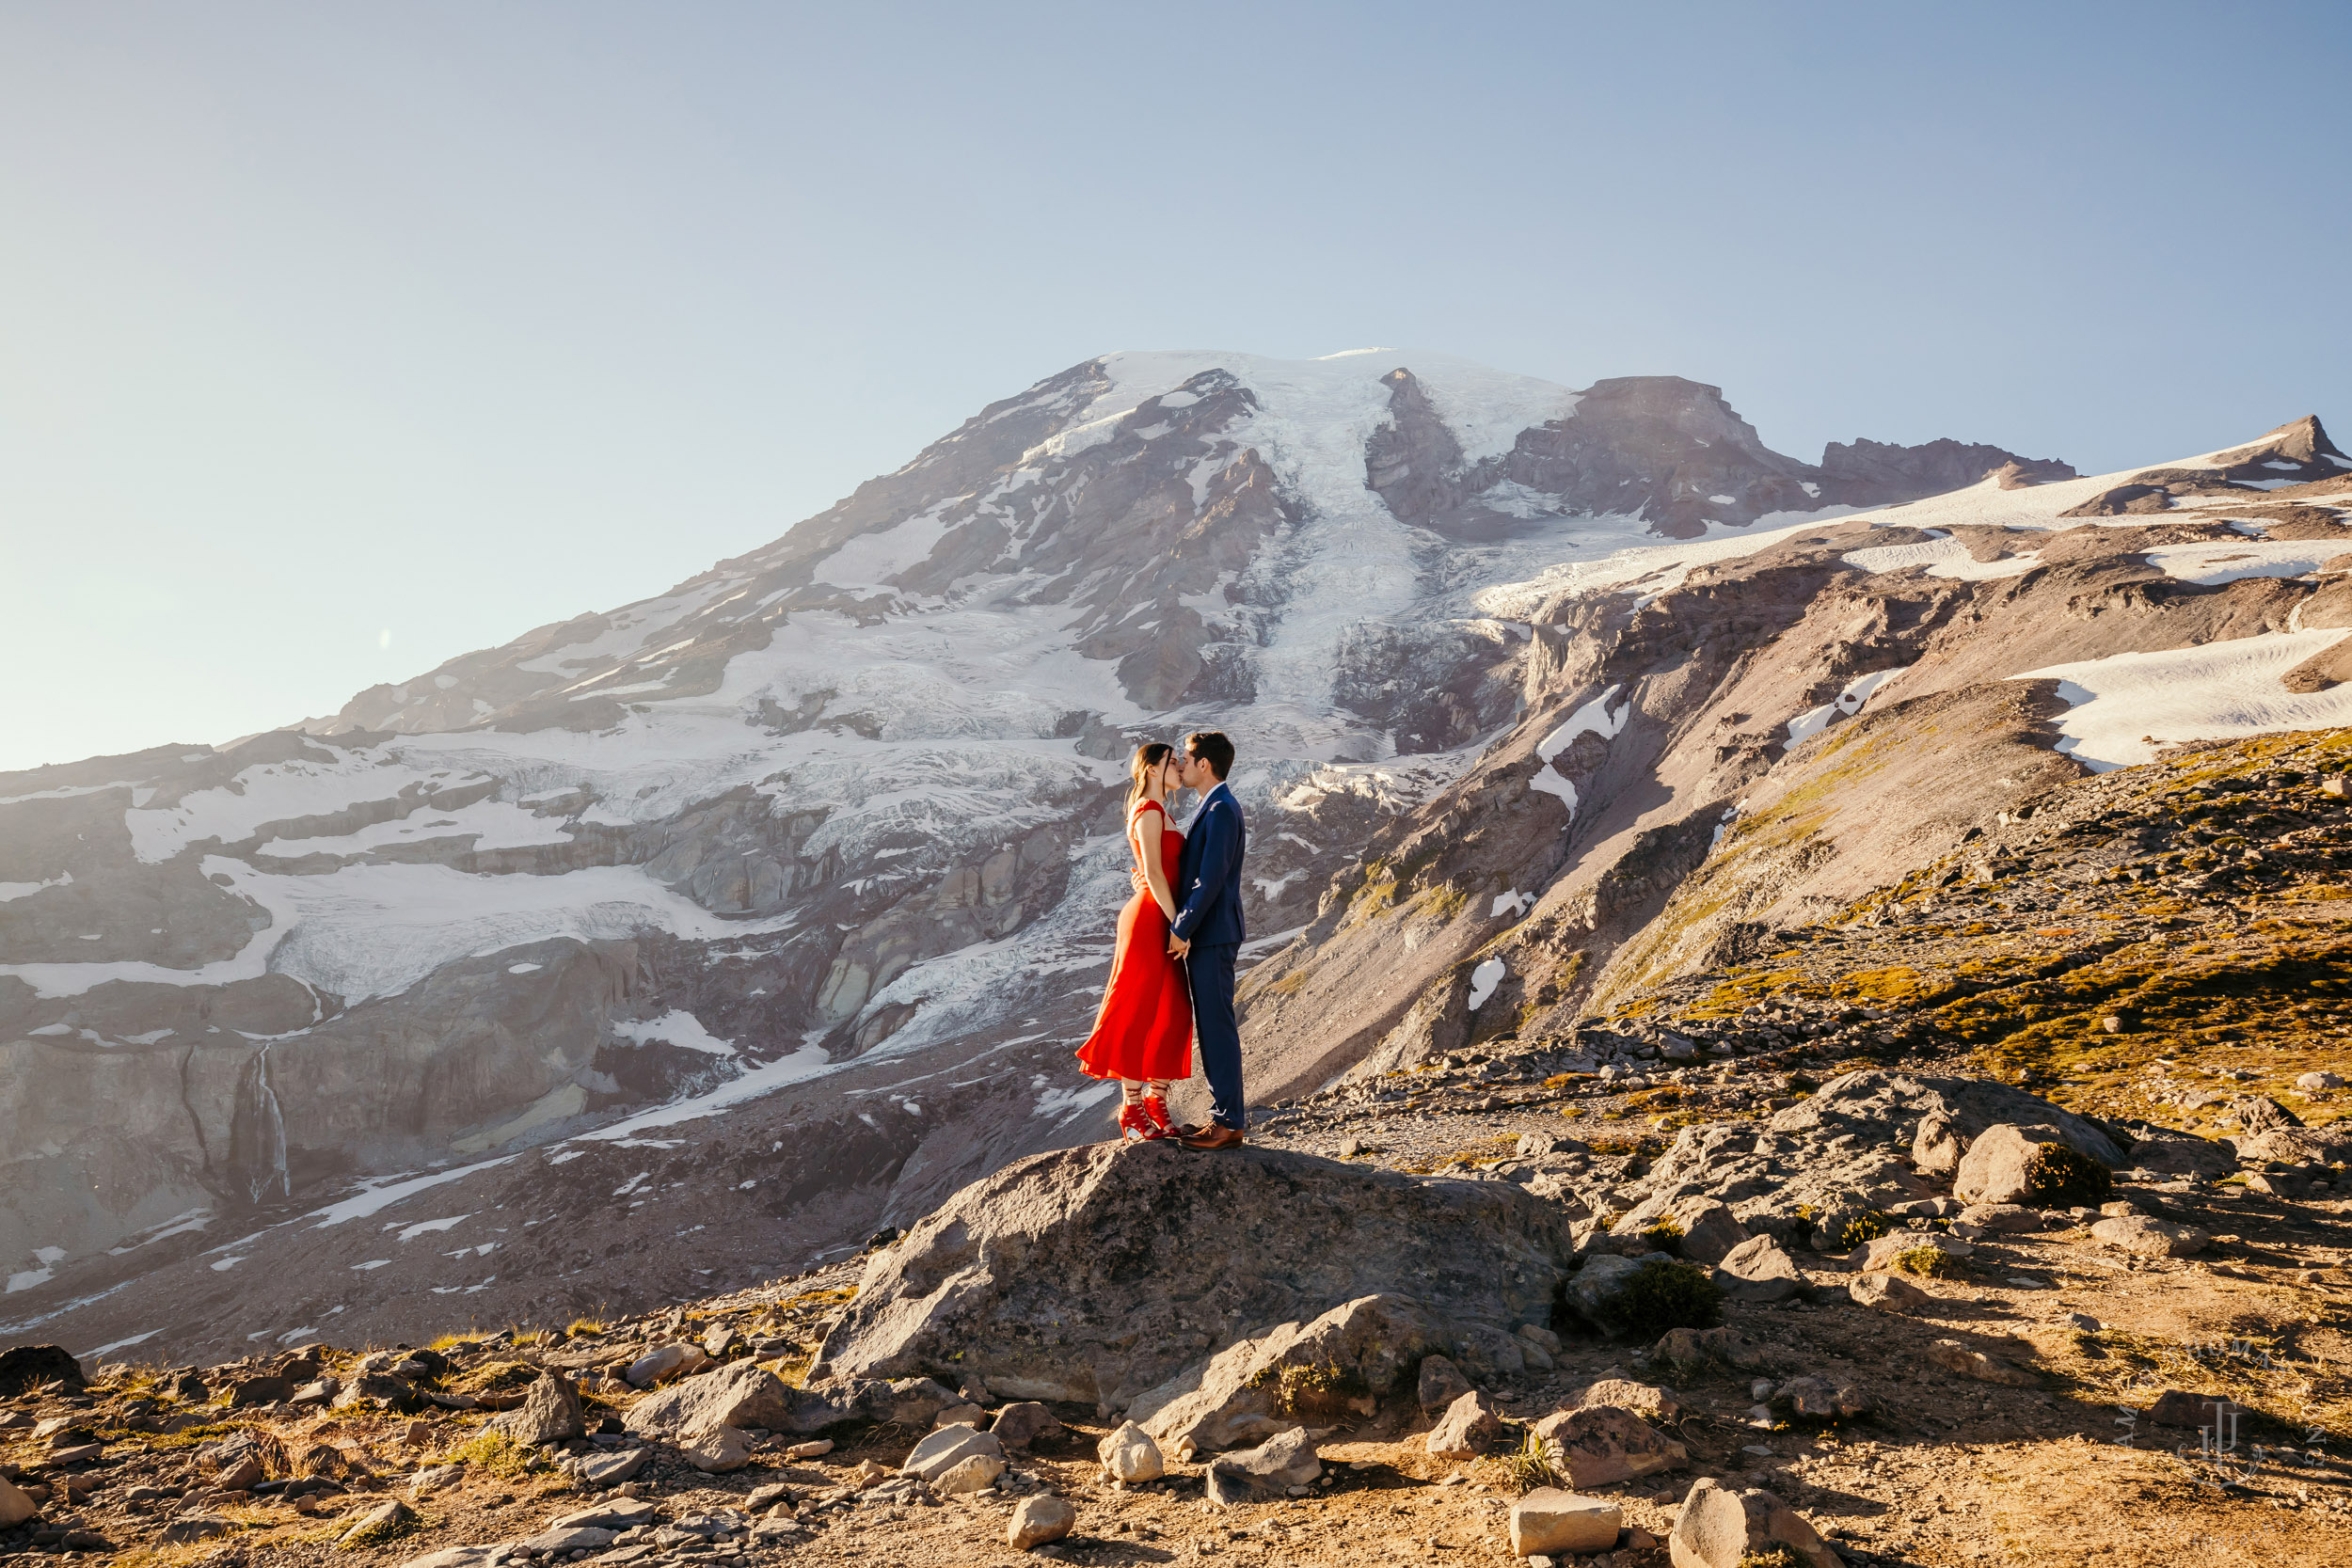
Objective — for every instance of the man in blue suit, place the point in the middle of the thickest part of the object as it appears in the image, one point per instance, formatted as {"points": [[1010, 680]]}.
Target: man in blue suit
{"points": [[1207, 932]]}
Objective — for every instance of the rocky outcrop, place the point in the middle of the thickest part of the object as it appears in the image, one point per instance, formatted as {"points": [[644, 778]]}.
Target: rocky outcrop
{"points": [[1121, 1276]]}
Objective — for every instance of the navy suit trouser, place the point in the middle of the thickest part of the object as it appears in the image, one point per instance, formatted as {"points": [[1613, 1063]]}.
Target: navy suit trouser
{"points": [[1210, 973]]}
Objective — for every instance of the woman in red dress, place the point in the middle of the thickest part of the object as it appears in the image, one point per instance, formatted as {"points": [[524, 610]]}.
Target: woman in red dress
{"points": [[1143, 1033]]}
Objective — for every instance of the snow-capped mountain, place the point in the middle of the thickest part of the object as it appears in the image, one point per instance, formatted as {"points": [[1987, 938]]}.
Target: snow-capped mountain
{"points": [[792, 887]]}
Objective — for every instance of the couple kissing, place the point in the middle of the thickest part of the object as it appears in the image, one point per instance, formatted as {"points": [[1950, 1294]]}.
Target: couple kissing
{"points": [[1172, 973]]}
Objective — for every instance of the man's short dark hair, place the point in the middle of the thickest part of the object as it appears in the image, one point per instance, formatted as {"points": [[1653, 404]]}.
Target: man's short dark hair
{"points": [[1212, 747]]}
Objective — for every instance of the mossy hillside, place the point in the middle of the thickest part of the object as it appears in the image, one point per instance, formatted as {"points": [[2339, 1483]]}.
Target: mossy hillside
{"points": [[2106, 950]]}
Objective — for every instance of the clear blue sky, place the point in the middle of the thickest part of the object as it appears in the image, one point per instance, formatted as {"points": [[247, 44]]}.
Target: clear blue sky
{"points": [[321, 321]]}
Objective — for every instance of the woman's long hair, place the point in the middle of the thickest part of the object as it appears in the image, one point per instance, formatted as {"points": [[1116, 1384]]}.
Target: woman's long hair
{"points": [[1148, 756]]}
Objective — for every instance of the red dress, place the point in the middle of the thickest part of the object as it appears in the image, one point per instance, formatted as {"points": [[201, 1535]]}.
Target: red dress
{"points": [[1144, 1029]]}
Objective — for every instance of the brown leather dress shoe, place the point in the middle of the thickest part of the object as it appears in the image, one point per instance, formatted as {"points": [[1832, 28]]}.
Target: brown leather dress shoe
{"points": [[1215, 1135]]}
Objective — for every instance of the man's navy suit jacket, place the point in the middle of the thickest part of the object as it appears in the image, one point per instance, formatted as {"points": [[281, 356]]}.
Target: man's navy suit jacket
{"points": [[1208, 874]]}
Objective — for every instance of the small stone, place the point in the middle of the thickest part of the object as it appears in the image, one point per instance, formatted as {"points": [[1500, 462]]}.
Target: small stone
{"points": [[959, 1415], [1350, 1148], [658, 1363], [1285, 1460], [432, 1477], [1548, 1520], [2177, 1407], [948, 1446], [1760, 1269], [1601, 1445], [550, 1412], [191, 1527], [2150, 1238], [1975, 1365], [2081, 1323], [558, 1542], [1025, 1423], [15, 1507], [761, 1498], [2002, 1218], [1718, 1527], [721, 1340], [1886, 1249], [1130, 1455], [239, 1474], [387, 1516], [1442, 1383], [713, 1451], [1887, 1292], [2316, 1083], [975, 1472], [599, 1470], [1038, 1520], [1645, 1399], [815, 1449], [1467, 1429]]}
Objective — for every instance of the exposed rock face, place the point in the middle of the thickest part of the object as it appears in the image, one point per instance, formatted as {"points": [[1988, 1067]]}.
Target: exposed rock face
{"points": [[1145, 1257]]}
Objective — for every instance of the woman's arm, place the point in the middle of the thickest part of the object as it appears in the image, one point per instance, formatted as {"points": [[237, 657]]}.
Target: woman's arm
{"points": [[1154, 843]]}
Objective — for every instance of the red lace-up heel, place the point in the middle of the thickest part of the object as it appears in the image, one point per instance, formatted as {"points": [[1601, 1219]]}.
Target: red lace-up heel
{"points": [[1155, 1109], [1135, 1125]]}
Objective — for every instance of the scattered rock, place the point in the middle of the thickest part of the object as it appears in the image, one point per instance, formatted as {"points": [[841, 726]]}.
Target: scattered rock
{"points": [[239, 1474], [619, 1514], [658, 1363], [561, 1541], [1760, 1270], [942, 1451], [2007, 1163], [2314, 1082], [1937, 1146], [1548, 1520], [1693, 1349], [1888, 1293], [15, 1507], [458, 1557], [1340, 1363], [959, 1415], [189, 1529], [2150, 1238], [1975, 1365], [721, 1338], [917, 1402], [1600, 1444], [1645, 1399], [1025, 1423], [741, 1394], [2003, 1219], [974, 1472], [1130, 1455], [247, 1392], [713, 1451], [817, 1449], [1820, 1399], [2177, 1407], [599, 1470], [1718, 1527], [27, 1366], [1442, 1383], [550, 1412], [432, 1477], [1038, 1520], [1467, 1429], [385, 1517], [1285, 1460]]}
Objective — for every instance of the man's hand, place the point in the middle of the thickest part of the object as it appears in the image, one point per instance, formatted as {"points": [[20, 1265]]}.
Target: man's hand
{"points": [[1177, 946]]}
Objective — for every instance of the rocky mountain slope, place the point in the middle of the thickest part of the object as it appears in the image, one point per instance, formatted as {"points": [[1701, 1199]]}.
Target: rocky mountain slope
{"points": [[666, 949]]}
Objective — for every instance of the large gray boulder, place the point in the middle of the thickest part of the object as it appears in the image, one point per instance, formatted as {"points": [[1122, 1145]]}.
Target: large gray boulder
{"points": [[740, 1395], [1098, 1274], [550, 1412]]}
